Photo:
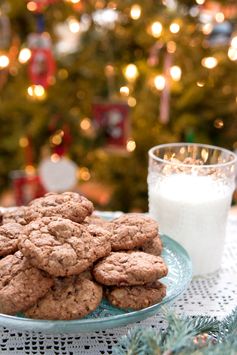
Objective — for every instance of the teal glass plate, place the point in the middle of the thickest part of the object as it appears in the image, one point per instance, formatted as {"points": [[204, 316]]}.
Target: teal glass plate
{"points": [[107, 316]]}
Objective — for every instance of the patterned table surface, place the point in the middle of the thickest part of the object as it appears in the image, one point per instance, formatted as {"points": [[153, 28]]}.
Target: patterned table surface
{"points": [[214, 295]]}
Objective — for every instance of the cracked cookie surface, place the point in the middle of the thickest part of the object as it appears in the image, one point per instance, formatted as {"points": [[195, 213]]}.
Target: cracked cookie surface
{"points": [[21, 284], [62, 247], [9, 234], [68, 205], [16, 215], [131, 231], [136, 297], [70, 298], [129, 268]]}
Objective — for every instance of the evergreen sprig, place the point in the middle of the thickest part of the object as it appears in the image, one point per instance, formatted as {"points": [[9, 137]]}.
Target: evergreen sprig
{"points": [[201, 335]]}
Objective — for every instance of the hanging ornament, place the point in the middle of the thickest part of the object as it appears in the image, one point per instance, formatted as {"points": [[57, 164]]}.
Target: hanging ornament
{"points": [[42, 63], [111, 123], [165, 95], [58, 174]]}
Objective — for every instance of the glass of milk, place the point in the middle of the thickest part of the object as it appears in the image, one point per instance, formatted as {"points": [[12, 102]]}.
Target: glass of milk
{"points": [[190, 189]]}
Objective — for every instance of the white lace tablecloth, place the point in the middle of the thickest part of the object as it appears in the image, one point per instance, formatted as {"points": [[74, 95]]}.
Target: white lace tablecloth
{"points": [[214, 295]]}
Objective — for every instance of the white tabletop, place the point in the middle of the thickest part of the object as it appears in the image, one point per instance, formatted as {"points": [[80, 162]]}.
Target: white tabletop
{"points": [[214, 295]]}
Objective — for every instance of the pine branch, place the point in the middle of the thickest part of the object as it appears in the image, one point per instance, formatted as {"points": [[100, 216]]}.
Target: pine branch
{"points": [[184, 336]]}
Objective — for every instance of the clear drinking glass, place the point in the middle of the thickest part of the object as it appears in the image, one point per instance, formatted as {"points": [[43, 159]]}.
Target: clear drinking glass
{"points": [[190, 189]]}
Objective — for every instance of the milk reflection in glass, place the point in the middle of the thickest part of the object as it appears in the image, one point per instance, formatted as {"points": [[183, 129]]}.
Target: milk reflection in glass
{"points": [[192, 208]]}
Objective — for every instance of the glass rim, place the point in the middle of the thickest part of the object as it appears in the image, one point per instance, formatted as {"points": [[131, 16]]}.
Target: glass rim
{"points": [[208, 146]]}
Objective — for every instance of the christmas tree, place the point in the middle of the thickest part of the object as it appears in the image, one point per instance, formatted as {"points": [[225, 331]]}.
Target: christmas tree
{"points": [[104, 81]]}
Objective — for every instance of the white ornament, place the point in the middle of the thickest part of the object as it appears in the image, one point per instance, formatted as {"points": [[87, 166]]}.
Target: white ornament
{"points": [[58, 176]]}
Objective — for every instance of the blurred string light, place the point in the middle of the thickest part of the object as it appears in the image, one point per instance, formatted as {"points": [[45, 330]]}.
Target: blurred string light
{"points": [[220, 17], [4, 61], [234, 42], [36, 92], [232, 53], [24, 55], [124, 91], [132, 101], [171, 47], [85, 124], [174, 27], [84, 174], [218, 123], [57, 138], [200, 84], [156, 29], [131, 145], [175, 73], [207, 28], [23, 142], [73, 24], [159, 82], [209, 62], [200, 2], [135, 12], [32, 6], [131, 72], [73, 1], [55, 158], [30, 170]]}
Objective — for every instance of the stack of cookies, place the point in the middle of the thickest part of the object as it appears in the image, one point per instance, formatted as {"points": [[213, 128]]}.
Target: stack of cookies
{"points": [[58, 260]]}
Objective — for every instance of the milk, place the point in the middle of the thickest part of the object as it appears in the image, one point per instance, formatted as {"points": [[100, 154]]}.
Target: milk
{"points": [[193, 211]]}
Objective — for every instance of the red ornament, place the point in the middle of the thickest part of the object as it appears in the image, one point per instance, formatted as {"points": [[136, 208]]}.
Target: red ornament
{"points": [[111, 121], [42, 63]]}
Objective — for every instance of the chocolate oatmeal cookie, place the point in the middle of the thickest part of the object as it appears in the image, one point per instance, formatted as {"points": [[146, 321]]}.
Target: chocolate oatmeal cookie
{"points": [[132, 230], [69, 205], [9, 234], [153, 247], [21, 284], [129, 268], [136, 297], [16, 215], [62, 247], [69, 298]]}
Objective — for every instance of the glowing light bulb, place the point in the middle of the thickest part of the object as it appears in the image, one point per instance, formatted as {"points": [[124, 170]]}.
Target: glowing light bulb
{"points": [[234, 42], [220, 17], [24, 55], [200, 2], [207, 28], [74, 25], [4, 61], [32, 6], [159, 82], [209, 62], [124, 91], [135, 12], [200, 84], [132, 101], [156, 29], [174, 27], [175, 73], [85, 124], [55, 158], [131, 145], [23, 142], [84, 174], [232, 53], [36, 92], [131, 72], [171, 47]]}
